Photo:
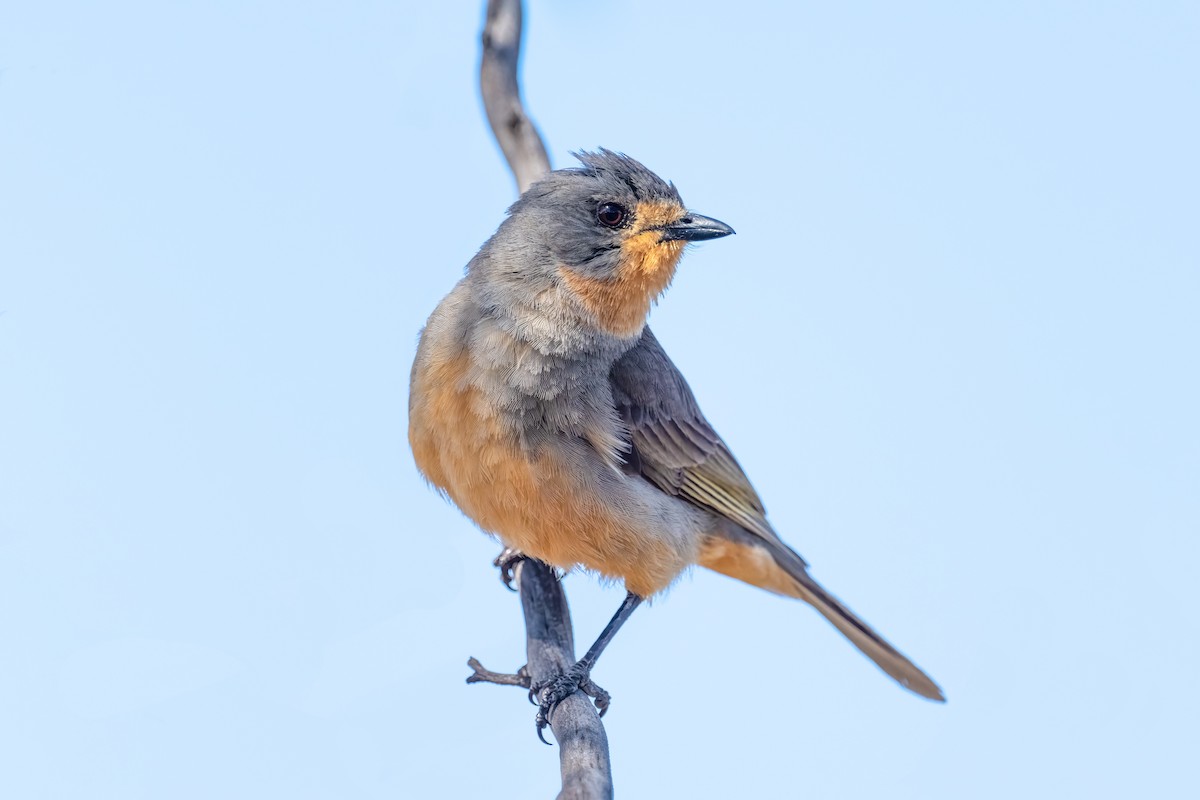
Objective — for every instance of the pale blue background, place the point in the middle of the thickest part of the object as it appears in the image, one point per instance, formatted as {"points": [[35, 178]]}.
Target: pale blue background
{"points": [[954, 343]]}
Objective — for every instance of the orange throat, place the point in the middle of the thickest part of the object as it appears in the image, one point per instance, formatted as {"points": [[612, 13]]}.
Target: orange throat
{"points": [[621, 302]]}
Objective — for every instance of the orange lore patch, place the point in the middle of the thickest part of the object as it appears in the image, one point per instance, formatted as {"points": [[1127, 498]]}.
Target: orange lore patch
{"points": [[538, 505], [621, 303]]}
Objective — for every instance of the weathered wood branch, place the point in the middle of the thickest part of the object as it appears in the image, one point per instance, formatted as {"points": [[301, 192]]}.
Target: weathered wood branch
{"points": [[550, 643], [550, 648], [498, 71]]}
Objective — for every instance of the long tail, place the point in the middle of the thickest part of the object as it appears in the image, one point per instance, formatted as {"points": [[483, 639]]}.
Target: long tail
{"points": [[780, 569]]}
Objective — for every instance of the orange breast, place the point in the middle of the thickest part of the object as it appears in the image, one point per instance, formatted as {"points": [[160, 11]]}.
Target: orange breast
{"points": [[545, 504]]}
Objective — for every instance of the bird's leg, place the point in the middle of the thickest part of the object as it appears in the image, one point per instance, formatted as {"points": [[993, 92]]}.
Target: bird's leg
{"points": [[507, 561], [578, 676]]}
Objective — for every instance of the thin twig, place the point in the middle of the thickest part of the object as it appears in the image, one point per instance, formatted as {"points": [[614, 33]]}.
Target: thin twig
{"points": [[550, 644], [484, 675]]}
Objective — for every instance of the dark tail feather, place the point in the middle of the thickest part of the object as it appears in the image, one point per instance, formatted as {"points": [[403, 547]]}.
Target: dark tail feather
{"points": [[774, 566], [874, 646]]}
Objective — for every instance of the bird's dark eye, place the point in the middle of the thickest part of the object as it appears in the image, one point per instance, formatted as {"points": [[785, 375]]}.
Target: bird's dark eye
{"points": [[610, 214]]}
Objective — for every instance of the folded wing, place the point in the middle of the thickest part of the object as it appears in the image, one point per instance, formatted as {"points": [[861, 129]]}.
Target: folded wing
{"points": [[676, 449]]}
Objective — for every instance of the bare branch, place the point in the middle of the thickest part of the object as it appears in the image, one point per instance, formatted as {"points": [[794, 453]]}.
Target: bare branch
{"points": [[517, 136], [550, 648], [550, 645]]}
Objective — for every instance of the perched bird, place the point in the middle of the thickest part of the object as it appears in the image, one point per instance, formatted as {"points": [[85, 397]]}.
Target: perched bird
{"points": [[543, 406]]}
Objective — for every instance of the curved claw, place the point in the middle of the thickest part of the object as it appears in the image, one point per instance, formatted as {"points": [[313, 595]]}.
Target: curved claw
{"points": [[551, 694], [601, 698], [507, 562], [540, 722]]}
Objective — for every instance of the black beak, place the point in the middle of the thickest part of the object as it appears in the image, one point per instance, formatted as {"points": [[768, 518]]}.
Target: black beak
{"points": [[695, 228]]}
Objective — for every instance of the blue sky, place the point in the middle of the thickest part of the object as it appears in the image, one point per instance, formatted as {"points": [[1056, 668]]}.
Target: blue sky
{"points": [[954, 344]]}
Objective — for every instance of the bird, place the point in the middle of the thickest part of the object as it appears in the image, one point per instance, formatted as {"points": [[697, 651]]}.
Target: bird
{"points": [[542, 405]]}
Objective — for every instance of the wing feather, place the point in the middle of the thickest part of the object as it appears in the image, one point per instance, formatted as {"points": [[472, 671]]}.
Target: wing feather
{"points": [[677, 449]]}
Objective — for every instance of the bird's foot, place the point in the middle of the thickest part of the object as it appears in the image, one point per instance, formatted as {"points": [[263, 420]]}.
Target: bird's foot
{"points": [[507, 561], [554, 691], [483, 675]]}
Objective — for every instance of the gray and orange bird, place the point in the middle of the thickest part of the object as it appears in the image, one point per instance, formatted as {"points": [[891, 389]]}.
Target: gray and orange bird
{"points": [[543, 406]]}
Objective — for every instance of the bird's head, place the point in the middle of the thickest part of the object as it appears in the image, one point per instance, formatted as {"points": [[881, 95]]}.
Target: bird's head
{"points": [[615, 231]]}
